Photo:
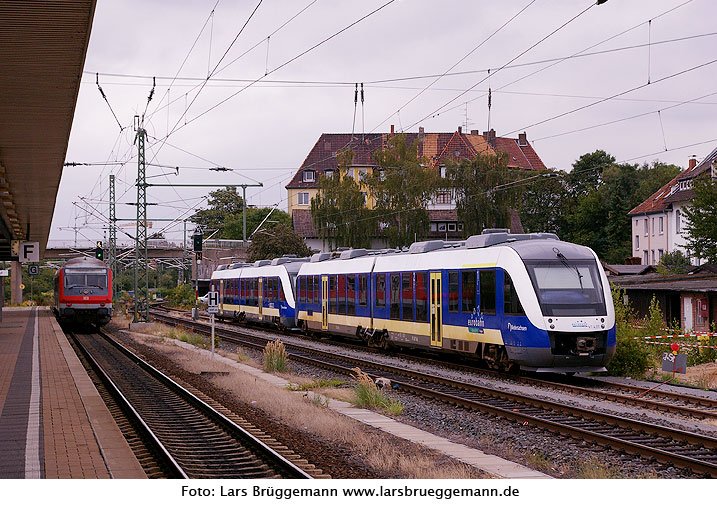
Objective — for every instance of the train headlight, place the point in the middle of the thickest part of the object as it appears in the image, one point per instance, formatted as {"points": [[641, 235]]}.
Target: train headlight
{"points": [[69, 304]]}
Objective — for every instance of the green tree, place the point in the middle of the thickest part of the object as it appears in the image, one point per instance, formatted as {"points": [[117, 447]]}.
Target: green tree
{"points": [[674, 262], [701, 228], [339, 211], [222, 204], [544, 202], [402, 188], [597, 214], [586, 174], [483, 197], [277, 242]]}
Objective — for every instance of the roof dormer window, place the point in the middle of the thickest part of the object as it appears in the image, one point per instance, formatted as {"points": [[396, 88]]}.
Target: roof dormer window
{"points": [[309, 176]]}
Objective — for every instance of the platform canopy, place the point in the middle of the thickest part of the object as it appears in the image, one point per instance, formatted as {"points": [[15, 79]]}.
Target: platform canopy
{"points": [[42, 53]]}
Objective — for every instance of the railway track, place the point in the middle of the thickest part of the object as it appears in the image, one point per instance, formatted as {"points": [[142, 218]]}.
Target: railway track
{"points": [[679, 448], [192, 438], [662, 401]]}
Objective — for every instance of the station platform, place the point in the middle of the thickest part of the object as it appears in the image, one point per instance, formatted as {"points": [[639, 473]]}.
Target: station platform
{"points": [[53, 422]]}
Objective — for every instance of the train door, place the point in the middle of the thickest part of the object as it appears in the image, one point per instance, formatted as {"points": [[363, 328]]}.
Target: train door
{"points": [[260, 294], [221, 295], [436, 313], [324, 302]]}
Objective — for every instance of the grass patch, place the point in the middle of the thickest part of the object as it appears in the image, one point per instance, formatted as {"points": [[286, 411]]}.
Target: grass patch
{"points": [[186, 336], [275, 356], [319, 401], [318, 383], [539, 461], [241, 356], [595, 469], [368, 396]]}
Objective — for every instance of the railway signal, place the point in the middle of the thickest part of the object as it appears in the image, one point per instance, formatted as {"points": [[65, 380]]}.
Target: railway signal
{"points": [[99, 251]]}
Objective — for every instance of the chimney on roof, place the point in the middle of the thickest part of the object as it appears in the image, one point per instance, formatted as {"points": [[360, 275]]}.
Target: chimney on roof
{"points": [[692, 162], [523, 139], [475, 132], [421, 134], [490, 137], [392, 130], [460, 129]]}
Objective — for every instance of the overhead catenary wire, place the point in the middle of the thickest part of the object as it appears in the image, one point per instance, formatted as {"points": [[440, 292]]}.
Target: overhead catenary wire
{"points": [[632, 117], [287, 62], [532, 46], [461, 60], [102, 92], [624, 92], [586, 51]]}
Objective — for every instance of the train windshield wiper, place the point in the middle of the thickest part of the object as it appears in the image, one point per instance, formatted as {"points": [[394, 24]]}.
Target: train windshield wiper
{"points": [[564, 261]]}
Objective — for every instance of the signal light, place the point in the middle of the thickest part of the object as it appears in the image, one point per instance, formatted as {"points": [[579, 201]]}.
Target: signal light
{"points": [[99, 252], [197, 239]]}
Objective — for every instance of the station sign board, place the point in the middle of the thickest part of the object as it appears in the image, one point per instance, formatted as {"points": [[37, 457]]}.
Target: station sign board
{"points": [[29, 251], [213, 302]]}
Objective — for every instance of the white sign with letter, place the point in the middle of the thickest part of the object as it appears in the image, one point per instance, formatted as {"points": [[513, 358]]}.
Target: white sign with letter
{"points": [[29, 251]]}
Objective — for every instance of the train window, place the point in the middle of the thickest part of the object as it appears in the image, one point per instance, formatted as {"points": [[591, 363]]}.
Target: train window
{"points": [[469, 300], [282, 296], [511, 303], [332, 293], [487, 291], [99, 281], [301, 288], [342, 294], [395, 296], [407, 295], [453, 287], [363, 290], [316, 281], [421, 297], [307, 285], [351, 295], [381, 291]]}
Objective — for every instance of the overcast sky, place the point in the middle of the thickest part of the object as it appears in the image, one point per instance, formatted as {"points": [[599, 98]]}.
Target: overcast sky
{"points": [[265, 131]]}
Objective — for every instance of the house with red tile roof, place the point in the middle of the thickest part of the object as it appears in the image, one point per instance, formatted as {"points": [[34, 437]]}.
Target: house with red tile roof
{"points": [[658, 223], [438, 148]]}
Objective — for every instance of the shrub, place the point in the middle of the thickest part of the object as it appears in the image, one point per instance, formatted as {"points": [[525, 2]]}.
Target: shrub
{"points": [[275, 356], [370, 397], [631, 357], [182, 296]]}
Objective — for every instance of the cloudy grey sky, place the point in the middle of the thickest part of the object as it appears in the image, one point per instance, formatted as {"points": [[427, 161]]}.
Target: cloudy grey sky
{"points": [[265, 131]]}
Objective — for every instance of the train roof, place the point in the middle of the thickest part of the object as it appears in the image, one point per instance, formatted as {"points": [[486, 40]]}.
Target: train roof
{"points": [[84, 262], [478, 250]]}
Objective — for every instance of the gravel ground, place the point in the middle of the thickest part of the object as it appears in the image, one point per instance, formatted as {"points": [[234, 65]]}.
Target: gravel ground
{"points": [[338, 461], [534, 447]]}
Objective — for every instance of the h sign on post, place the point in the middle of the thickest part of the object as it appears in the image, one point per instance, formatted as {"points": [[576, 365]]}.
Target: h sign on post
{"points": [[29, 251], [213, 302]]}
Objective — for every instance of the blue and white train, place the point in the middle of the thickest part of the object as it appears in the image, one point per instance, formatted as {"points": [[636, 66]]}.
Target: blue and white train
{"points": [[526, 300]]}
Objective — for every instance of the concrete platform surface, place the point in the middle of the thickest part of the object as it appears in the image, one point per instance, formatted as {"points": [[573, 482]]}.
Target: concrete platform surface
{"points": [[53, 422]]}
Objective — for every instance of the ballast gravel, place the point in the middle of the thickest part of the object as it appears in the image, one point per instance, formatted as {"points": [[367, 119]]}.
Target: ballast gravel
{"points": [[551, 453]]}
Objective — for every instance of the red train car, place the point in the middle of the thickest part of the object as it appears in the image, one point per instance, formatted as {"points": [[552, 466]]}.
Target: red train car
{"points": [[83, 292]]}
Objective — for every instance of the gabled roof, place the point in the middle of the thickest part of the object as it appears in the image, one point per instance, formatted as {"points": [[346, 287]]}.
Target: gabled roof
{"points": [[670, 192], [628, 269], [437, 147]]}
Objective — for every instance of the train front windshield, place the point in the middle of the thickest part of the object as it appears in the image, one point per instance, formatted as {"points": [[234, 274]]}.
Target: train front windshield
{"points": [[86, 278], [567, 288]]}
